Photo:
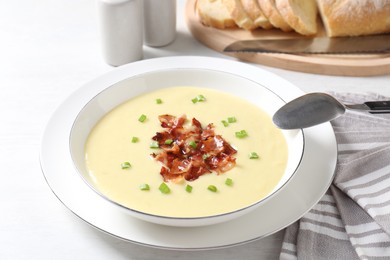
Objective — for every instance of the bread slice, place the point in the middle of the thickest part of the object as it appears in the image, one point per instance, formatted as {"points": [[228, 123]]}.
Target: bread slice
{"points": [[301, 15], [355, 17], [253, 10], [271, 12], [214, 13], [238, 14]]}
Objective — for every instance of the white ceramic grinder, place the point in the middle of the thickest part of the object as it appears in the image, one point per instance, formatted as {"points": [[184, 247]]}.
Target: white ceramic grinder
{"points": [[121, 30], [159, 22]]}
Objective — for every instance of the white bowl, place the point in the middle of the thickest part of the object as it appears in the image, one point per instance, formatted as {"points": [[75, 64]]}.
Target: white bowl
{"points": [[223, 75]]}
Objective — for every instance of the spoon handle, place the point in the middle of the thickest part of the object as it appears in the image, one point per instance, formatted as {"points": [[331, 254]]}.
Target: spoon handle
{"points": [[373, 107], [378, 107]]}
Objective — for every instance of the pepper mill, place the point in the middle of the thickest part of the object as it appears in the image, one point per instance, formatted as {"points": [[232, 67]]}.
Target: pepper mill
{"points": [[121, 30], [159, 22]]}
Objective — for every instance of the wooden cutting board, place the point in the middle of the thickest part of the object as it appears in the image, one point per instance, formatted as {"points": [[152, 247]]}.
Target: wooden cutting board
{"points": [[342, 65]]}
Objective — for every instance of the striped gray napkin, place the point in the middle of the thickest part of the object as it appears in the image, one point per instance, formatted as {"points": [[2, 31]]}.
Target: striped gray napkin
{"points": [[352, 220]]}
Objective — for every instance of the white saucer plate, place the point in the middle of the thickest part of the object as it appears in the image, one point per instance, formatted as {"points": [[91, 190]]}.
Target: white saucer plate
{"points": [[309, 183]]}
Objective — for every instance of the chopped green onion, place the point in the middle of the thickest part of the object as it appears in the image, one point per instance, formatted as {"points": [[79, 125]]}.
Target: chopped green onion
{"points": [[232, 119], [241, 134], [134, 139], [125, 165], [198, 98], [192, 144], [212, 188], [168, 141], [158, 101], [225, 123], [201, 98], [154, 144], [164, 188], [205, 156], [253, 155], [229, 182], [142, 118], [144, 186], [188, 188]]}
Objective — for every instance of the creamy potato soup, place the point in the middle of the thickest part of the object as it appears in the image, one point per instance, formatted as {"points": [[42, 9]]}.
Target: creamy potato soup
{"points": [[119, 150]]}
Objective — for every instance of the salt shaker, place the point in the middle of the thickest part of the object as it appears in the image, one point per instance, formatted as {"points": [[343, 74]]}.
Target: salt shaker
{"points": [[121, 30], [159, 22]]}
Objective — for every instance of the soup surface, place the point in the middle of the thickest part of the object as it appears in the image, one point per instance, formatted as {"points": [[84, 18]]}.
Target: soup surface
{"points": [[118, 153]]}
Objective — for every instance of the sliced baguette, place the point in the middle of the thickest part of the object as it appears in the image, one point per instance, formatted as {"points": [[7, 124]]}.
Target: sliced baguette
{"points": [[238, 14], [301, 15], [271, 12], [355, 17], [214, 13], [253, 10]]}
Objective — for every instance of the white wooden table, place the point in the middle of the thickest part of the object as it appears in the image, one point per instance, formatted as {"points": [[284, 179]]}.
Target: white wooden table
{"points": [[48, 49]]}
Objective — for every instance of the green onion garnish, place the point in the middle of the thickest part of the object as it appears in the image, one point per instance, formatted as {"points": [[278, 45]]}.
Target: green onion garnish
{"points": [[142, 118], [134, 139], [158, 101], [232, 119], [241, 134], [144, 186], [201, 98], [229, 182], [188, 188], [205, 156], [225, 123], [164, 188], [168, 141], [154, 144], [125, 165], [192, 144], [212, 188], [253, 155], [198, 98]]}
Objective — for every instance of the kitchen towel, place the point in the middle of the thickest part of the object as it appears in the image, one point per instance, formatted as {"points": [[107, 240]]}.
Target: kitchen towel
{"points": [[352, 220]]}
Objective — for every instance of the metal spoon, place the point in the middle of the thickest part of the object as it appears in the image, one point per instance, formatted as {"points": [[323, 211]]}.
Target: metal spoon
{"points": [[316, 108]]}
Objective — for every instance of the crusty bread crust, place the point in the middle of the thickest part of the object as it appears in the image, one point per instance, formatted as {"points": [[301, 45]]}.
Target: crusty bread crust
{"points": [[301, 15], [355, 17], [213, 13], [339, 17], [271, 12], [253, 10]]}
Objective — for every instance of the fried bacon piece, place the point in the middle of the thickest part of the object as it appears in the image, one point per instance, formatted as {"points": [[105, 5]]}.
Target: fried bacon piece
{"points": [[189, 152]]}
